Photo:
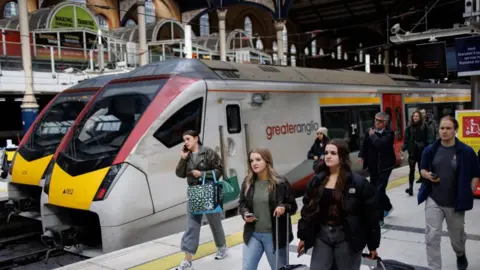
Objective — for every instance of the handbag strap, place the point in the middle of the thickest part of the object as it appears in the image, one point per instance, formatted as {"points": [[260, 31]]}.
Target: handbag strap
{"points": [[205, 175]]}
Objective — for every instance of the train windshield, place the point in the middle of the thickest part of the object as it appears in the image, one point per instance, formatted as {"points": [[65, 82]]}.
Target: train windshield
{"points": [[49, 131], [102, 131]]}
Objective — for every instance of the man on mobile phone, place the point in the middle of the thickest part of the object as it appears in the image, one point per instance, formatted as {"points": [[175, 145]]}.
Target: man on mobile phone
{"points": [[451, 170]]}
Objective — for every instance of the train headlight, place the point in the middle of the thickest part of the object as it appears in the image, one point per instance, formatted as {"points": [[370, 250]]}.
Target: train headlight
{"points": [[47, 175], [107, 182]]}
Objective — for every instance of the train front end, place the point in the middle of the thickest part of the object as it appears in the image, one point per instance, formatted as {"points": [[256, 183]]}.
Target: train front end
{"points": [[94, 199], [37, 147]]}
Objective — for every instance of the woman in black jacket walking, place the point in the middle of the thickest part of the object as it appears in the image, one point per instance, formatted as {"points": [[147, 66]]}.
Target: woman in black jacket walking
{"points": [[415, 142], [264, 196], [340, 214], [317, 150]]}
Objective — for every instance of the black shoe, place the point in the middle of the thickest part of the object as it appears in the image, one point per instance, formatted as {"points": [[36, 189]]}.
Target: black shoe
{"points": [[419, 181], [409, 191], [462, 262]]}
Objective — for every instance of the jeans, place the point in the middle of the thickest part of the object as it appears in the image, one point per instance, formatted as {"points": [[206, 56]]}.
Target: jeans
{"points": [[332, 251], [191, 237], [434, 216], [411, 175], [256, 246], [380, 180]]}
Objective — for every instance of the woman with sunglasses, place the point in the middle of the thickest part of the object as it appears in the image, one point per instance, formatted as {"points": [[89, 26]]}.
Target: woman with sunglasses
{"points": [[340, 215], [318, 148]]}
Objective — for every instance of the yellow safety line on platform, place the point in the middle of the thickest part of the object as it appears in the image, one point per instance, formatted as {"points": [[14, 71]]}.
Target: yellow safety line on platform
{"points": [[209, 248]]}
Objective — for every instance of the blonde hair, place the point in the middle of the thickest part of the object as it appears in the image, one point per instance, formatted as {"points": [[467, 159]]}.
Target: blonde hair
{"points": [[272, 175]]}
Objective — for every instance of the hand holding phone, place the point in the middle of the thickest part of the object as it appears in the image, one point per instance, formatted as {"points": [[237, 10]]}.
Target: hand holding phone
{"points": [[184, 152], [250, 217]]}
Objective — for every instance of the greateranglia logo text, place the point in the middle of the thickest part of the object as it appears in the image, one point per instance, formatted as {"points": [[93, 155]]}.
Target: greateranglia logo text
{"points": [[285, 129]]}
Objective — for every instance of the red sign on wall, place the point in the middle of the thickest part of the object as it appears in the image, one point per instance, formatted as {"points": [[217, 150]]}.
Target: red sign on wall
{"points": [[471, 126]]}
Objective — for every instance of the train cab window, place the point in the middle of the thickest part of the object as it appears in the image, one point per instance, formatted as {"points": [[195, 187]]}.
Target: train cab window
{"points": [[188, 117], [234, 124]]}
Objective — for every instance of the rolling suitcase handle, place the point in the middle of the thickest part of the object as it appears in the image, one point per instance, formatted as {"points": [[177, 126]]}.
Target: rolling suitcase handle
{"points": [[378, 259], [277, 245]]}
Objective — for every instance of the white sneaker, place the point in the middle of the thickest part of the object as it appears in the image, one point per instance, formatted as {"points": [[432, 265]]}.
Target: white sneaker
{"points": [[221, 253], [185, 265]]}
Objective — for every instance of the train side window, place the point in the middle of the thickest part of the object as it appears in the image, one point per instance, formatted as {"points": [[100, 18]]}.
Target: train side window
{"points": [[188, 117], [388, 111], [234, 124], [337, 129], [398, 122]]}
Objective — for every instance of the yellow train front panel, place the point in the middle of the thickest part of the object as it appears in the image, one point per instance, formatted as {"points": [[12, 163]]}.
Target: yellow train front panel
{"points": [[74, 191], [29, 172]]}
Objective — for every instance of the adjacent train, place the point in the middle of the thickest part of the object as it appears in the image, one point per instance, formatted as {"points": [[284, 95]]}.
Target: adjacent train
{"points": [[111, 183], [41, 141]]}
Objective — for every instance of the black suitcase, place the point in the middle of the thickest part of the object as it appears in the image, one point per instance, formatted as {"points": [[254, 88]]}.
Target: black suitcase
{"points": [[380, 264], [288, 266]]}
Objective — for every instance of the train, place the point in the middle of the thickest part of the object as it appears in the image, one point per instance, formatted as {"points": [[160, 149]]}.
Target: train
{"points": [[36, 149], [112, 184]]}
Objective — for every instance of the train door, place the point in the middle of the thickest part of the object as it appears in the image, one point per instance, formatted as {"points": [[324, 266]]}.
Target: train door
{"points": [[392, 104], [232, 133]]}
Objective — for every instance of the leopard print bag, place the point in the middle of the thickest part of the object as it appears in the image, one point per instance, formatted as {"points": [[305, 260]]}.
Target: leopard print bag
{"points": [[206, 198]]}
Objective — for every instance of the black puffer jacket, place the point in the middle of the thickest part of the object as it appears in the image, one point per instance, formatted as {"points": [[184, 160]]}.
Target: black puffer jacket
{"points": [[377, 151], [362, 220], [318, 147], [282, 196]]}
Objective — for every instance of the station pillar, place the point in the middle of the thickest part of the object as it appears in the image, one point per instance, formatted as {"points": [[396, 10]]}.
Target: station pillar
{"points": [[279, 26], [29, 105], [142, 34], [222, 16]]}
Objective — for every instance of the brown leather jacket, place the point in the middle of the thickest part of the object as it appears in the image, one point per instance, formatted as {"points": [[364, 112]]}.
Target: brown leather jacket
{"points": [[207, 161]]}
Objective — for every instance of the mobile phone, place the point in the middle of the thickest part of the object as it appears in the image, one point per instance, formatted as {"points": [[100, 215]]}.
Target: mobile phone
{"points": [[434, 176], [301, 253], [184, 148], [249, 215]]}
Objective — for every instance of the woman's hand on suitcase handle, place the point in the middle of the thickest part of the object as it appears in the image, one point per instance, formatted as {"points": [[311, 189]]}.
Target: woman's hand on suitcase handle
{"points": [[280, 210], [373, 254], [300, 247]]}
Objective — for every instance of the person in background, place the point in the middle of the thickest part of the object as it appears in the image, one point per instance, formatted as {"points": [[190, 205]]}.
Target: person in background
{"points": [[378, 157], [195, 160], [264, 196], [340, 214], [415, 143], [451, 172], [318, 147]]}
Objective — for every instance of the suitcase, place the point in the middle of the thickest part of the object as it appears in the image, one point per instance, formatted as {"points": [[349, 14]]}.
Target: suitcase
{"points": [[379, 264], [288, 266]]}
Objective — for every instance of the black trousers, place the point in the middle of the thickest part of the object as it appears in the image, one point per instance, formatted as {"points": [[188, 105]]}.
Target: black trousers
{"points": [[380, 180], [411, 163]]}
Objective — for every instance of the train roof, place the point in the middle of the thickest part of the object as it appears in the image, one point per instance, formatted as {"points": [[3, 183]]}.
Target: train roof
{"points": [[219, 70], [96, 82]]}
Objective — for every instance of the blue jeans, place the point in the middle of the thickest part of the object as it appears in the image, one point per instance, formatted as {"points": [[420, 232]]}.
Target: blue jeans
{"points": [[253, 251]]}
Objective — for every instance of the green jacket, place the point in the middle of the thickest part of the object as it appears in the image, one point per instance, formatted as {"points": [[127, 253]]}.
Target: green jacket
{"points": [[207, 161]]}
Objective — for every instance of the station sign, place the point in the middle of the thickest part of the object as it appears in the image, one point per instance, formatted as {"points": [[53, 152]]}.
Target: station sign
{"points": [[468, 56], [469, 127], [431, 60], [73, 16]]}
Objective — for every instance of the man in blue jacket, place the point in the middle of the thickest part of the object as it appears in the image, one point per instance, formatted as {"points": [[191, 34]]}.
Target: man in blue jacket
{"points": [[451, 171]]}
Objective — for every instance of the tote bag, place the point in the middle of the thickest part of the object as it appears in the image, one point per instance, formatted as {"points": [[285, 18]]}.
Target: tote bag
{"points": [[206, 198]]}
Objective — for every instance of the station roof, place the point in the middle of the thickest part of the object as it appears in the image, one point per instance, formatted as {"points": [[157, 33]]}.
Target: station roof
{"points": [[59, 16]]}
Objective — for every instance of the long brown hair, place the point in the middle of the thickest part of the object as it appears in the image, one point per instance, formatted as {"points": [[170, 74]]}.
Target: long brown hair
{"points": [[315, 193], [272, 175], [420, 116]]}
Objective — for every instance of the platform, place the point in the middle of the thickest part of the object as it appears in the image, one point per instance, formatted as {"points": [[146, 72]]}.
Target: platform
{"points": [[403, 239], [3, 190]]}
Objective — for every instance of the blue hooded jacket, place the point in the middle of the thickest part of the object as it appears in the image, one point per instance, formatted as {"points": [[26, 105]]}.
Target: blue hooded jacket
{"points": [[467, 169]]}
